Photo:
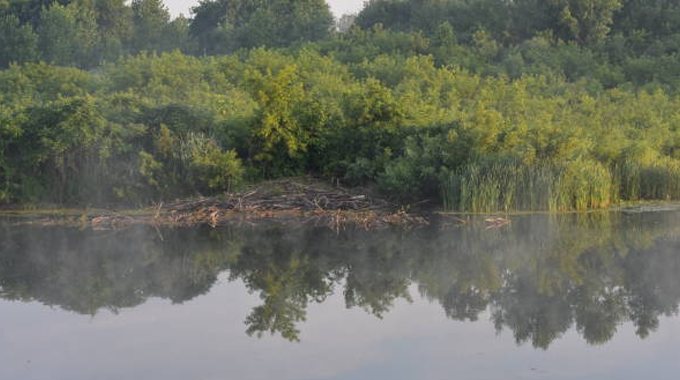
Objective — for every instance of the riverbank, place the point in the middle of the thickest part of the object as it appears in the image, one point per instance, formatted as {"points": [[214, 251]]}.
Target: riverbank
{"points": [[296, 200], [301, 200]]}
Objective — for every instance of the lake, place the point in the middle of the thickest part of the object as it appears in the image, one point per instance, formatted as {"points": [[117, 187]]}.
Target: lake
{"points": [[575, 296]]}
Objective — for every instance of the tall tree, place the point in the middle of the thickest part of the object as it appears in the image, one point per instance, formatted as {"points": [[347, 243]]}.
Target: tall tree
{"points": [[176, 36], [585, 20], [87, 33], [224, 25], [655, 17], [68, 34], [150, 18], [58, 34], [114, 18], [28, 11], [390, 13], [18, 43]]}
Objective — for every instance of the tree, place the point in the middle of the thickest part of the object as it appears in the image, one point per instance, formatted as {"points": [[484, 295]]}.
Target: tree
{"points": [[87, 34], [208, 16], [176, 36], [68, 34], [277, 128], [223, 25], [390, 13], [656, 17], [114, 20], [529, 17], [18, 43], [28, 11], [150, 19], [58, 34], [585, 21], [308, 20]]}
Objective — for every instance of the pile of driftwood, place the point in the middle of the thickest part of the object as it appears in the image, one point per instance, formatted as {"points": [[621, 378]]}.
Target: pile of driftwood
{"points": [[314, 203], [284, 196]]}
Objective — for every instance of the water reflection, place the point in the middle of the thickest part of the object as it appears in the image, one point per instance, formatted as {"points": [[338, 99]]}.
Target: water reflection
{"points": [[539, 277]]}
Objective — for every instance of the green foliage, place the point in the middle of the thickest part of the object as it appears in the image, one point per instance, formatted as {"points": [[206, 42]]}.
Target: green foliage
{"points": [[18, 43], [658, 180], [586, 21], [150, 18], [417, 130], [459, 102], [58, 35], [222, 26], [277, 129], [417, 174], [220, 171], [54, 148], [507, 185]]}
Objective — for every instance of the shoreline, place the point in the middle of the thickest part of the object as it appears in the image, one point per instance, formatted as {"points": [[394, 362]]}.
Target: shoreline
{"points": [[284, 200], [112, 220], [295, 200], [335, 219]]}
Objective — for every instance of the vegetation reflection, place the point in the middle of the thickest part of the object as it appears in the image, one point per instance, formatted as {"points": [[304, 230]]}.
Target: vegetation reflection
{"points": [[538, 277]]}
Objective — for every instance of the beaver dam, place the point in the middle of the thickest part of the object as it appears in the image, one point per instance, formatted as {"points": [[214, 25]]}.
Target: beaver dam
{"points": [[305, 201]]}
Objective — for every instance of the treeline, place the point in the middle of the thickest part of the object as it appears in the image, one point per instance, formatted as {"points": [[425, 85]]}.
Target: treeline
{"points": [[86, 33], [543, 108]]}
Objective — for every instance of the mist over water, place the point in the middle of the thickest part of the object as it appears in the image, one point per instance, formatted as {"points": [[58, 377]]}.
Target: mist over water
{"points": [[537, 297]]}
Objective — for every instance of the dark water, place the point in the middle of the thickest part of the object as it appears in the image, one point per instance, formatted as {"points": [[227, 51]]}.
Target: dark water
{"points": [[549, 297]]}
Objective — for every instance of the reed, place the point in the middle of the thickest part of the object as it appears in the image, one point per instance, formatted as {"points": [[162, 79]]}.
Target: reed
{"points": [[659, 180], [504, 185]]}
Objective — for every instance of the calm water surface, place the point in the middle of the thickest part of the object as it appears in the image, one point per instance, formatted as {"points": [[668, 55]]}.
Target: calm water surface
{"points": [[590, 296]]}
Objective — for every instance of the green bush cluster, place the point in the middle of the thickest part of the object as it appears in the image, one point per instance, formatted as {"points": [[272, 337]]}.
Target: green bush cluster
{"points": [[443, 101], [155, 127]]}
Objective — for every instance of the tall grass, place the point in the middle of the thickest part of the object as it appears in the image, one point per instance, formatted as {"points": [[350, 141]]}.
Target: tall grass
{"points": [[659, 180], [503, 185], [510, 185]]}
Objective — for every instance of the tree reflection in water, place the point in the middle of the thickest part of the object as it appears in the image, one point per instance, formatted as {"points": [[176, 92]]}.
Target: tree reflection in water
{"points": [[538, 277]]}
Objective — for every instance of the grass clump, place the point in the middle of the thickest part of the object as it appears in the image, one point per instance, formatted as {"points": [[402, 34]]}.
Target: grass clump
{"points": [[511, 185], [659, 180]]}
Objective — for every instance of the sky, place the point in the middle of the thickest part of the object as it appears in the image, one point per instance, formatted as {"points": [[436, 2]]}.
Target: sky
{"points": [[339, 7]]}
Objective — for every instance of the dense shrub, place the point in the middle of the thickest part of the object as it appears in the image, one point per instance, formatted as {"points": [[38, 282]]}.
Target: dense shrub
{"points": [[483, 105]]}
